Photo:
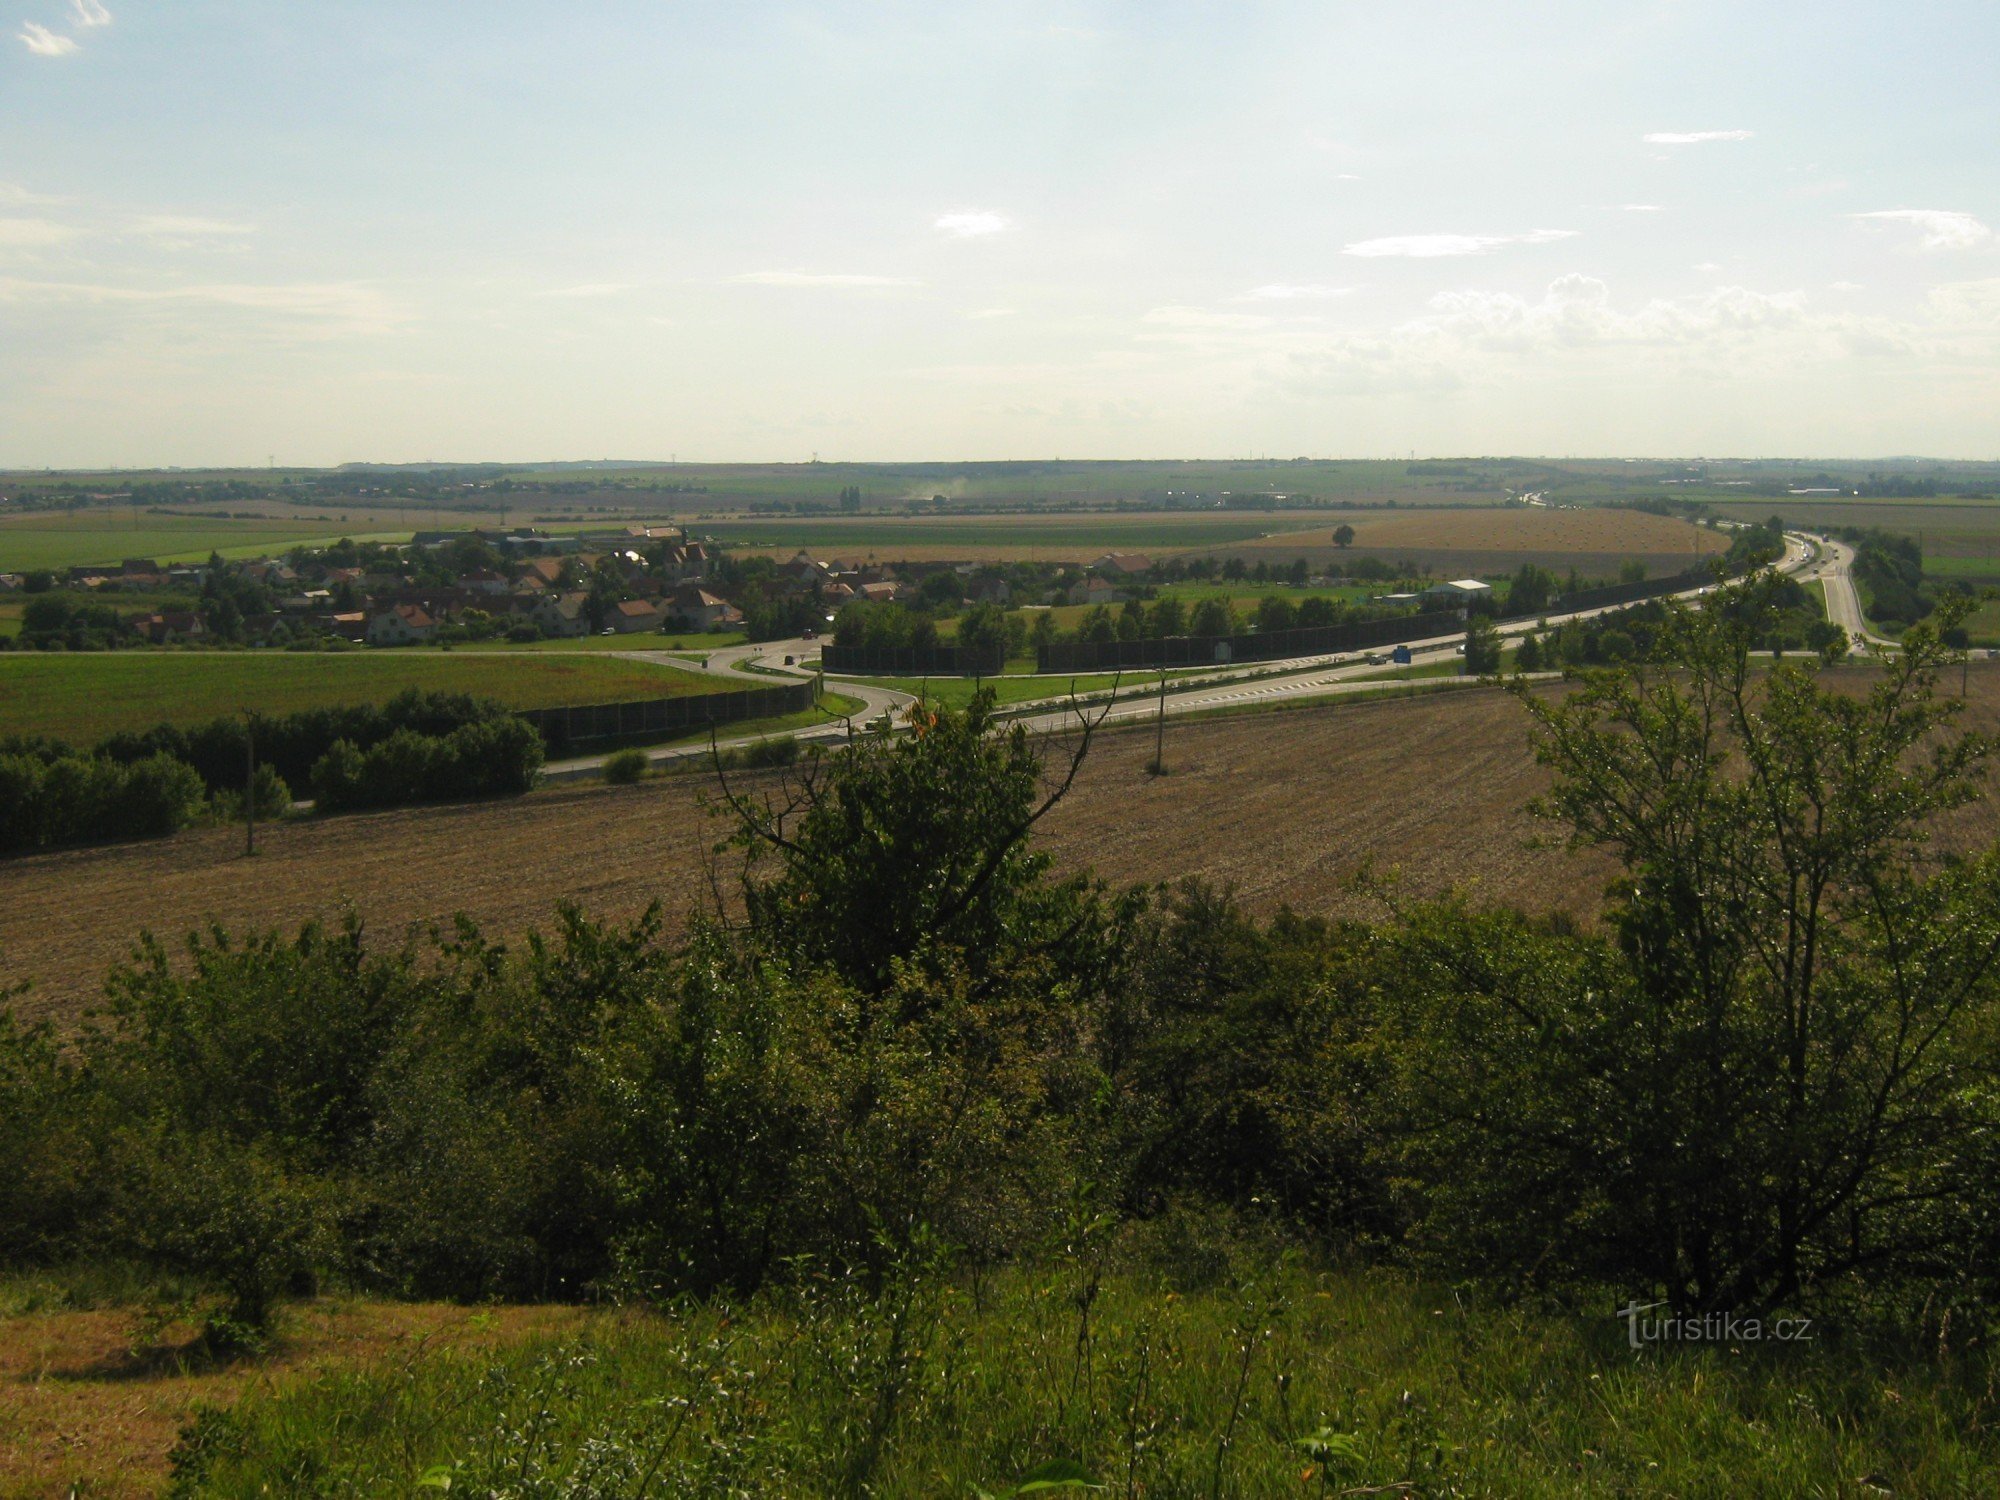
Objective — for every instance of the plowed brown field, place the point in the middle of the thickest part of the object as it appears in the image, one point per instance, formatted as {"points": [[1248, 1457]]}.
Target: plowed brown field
{"points": [[1593, 541], [1284, 806]]}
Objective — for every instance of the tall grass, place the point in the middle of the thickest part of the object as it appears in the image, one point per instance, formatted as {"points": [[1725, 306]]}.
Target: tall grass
{"points": [[1286, 1382]]}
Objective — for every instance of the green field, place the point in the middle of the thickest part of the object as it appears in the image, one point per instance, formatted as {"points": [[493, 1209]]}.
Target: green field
{"points": [[82, 698], [87, 537]]}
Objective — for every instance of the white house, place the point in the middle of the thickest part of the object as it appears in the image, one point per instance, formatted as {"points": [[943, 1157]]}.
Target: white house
{"points": [[402, 625]]}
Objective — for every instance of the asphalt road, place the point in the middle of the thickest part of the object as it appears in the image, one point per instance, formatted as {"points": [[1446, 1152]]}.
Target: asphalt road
{"points": [[1244, 686], [1843, 601]]}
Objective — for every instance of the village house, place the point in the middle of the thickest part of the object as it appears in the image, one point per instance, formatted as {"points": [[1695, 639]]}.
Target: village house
{"points": [[703, 610], [173, 625], [562, 616], [1122, 564], [637, 616], [1094, 591], [401, 625]]}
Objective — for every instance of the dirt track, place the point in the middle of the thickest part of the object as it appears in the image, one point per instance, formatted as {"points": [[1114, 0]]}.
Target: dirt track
{"points": [[1285, 806]]}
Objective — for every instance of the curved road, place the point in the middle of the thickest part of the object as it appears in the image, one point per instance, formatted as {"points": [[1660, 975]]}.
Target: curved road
{"points": [[1334, 675]]}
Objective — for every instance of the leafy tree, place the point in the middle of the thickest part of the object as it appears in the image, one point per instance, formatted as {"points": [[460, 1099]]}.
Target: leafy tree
{"points": [[941, 590], [1531, 590], [1274, 613], [984, 628], [1318, 611], [1781, 1074], [910, 845], [1167, 617], [1343, 535], [1482, 646], [1213, 616]]}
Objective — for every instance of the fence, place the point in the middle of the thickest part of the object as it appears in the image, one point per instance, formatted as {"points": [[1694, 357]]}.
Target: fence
{"points": [[565, 730], [914, 661], [1211, 650]]}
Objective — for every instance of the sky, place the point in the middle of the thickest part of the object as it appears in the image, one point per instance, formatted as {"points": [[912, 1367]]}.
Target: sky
{"points": [[237, 231]]}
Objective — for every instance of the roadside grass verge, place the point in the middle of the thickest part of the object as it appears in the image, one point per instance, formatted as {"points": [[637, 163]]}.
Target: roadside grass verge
{"points": [[831, 708], [1172, 1377]]}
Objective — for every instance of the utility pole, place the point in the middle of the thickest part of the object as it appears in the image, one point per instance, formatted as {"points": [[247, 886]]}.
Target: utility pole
{"points": [[1159, 766], [250, 786]]}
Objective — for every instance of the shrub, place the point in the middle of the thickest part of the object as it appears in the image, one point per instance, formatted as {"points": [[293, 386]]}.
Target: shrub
{"points": [[626, 767], [51, 799]]}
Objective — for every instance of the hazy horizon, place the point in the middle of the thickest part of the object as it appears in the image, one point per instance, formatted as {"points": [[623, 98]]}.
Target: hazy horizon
{"points": [[361, 233]]}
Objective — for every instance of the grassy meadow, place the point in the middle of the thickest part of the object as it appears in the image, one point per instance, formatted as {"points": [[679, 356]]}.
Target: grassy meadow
{"points": [[84, 697], [1173, 1375], [87, 537]]}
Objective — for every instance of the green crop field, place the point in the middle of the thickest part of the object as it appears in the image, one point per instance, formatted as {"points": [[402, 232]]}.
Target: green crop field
{"points": [[82, 698], [83, 538]]}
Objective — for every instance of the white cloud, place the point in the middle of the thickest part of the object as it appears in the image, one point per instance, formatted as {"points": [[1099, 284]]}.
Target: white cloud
{"points": [[1432, 246], [188, 227], [88, 13], [817, 278], [334, 307], [991, 312], [1694, 137], [970, 223], [1642, 208], [1844, 286], [590, 289], [1201, 317], [1940, 229], [1293, 292], [1577, 311], [46, 43], [13, 192], [32, 234]]}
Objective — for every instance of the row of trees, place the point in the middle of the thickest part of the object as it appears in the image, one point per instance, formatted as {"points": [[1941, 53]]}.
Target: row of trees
{"points": [[1768, 1081], [51, 796]]}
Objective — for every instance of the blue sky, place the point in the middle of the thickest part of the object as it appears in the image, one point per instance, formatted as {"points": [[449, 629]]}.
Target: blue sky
{"points": [[354, 230]]}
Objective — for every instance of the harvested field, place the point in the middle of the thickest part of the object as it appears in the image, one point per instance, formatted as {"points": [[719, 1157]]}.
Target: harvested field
{"points": [[1284, 806], [1595, 542]]}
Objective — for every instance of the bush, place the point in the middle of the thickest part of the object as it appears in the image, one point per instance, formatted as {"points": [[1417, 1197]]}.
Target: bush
{"points": [[488, 758], [626, 767], [47, 800]]}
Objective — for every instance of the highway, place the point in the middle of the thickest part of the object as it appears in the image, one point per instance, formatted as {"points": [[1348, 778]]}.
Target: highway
{"points": [[1843, 600], [1244, 686]]}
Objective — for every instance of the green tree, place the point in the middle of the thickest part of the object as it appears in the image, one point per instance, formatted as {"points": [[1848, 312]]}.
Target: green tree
{"points": [[1343, 535], [1274, 613], [911, 845], [1781, 1073], [1168, 616], [1213, 616], [1482, 646]]}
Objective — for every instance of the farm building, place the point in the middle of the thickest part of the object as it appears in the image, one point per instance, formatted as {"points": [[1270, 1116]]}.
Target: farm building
{"points": [[1458, 593]]}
